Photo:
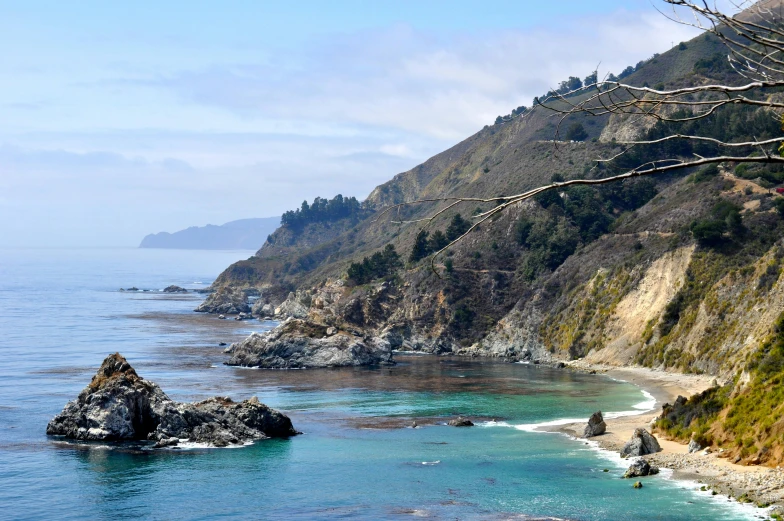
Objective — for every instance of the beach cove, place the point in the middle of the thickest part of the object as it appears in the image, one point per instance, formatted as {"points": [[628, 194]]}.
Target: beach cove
{"points": [[359, 456]]}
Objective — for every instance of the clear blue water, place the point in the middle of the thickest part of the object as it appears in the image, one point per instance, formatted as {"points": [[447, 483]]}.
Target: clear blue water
{"points": [[61, 313]]}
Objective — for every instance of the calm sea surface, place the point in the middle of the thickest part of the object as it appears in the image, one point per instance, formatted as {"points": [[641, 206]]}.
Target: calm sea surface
{"points": [[61, 313]]}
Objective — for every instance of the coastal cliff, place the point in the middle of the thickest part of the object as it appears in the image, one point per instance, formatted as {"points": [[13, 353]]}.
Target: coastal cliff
{"points": [[679, 272]]}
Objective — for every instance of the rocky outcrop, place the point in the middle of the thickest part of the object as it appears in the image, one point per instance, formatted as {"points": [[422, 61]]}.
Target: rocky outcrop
{"points": [[641, 443], [640, 468], [262, 309], [120, 405], [694, 446], [299, 344], [295, 306], [595, 426], [174, 289], [227, 300], [460, 422]]}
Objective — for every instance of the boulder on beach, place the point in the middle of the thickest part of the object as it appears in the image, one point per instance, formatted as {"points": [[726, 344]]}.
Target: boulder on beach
{"points": [[694, 446], [119, 405], [460, 422], [595, 426], [174, 289], [640, 468], [641, 443], [298, 344]]}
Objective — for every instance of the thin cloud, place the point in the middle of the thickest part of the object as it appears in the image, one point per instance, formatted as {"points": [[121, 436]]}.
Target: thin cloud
{"points": [[410, 81]]}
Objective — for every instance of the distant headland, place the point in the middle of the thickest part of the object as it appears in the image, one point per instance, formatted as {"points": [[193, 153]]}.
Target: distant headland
{"points": [[244, 234]]}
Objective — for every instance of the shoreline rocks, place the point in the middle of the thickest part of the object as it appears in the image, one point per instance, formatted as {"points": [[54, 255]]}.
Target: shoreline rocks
{"points": [[460, 422], [640, 468], [119, 405], [595, 426], [300, 344], [225, 301], [174, 289], [694, 446], [641, 443]]}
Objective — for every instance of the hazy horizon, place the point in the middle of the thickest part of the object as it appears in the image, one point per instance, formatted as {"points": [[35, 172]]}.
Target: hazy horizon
{"points": [[120, 121]]}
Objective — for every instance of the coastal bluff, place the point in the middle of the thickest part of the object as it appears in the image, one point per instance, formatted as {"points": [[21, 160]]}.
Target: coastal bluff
{"points": [[120, 405]]}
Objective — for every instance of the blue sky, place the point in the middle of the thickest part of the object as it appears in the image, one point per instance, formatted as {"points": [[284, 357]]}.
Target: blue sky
{"points": [[122, 120]]}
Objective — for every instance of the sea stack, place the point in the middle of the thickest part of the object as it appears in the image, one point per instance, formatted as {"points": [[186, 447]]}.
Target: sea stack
{"points": [[120, 405], [595, 426]]}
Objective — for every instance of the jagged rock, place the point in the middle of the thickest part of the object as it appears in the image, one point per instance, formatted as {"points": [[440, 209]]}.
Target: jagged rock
{"points": [[295, 306], [302, 344], [694, 446], [262, 309], [118, 404], [641, 443], [640, 468], [226, 301], [460, 422], [222, 317], [174, 289], [595, 426]]}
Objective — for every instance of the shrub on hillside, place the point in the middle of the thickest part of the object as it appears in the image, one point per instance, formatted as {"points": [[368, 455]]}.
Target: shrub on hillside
{"points": [[381, 264]]}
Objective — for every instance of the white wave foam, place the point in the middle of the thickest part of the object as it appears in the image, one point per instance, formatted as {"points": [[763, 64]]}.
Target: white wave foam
{"points": [[644, 406], [494, 423], [184, 444], [431, 462], [540, 427]]}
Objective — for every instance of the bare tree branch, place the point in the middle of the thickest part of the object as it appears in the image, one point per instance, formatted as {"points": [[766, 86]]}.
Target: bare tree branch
{"points": [[754, 39]]}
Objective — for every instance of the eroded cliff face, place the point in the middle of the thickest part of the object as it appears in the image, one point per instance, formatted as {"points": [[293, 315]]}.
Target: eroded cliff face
{"points": [[639, 289], [634, 296]]}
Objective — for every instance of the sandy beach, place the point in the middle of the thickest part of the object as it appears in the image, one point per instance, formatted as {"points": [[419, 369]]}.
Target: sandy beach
{"points": [[754, 484]]}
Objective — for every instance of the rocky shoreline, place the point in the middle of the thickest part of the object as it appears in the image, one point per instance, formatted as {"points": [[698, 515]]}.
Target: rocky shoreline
{"points": [[758, 485], [119, 405], [300, 344]]}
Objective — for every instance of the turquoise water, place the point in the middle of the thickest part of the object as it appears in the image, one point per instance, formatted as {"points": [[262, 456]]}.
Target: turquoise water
{"points": [[61, 314]]}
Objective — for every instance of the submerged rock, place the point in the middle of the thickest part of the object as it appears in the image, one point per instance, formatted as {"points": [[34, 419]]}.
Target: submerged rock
{"points": [[596, 425], [640, 468], [460, 422], [174, 289], [118, 404], [299, 344], [641, 443], [637, 484]]}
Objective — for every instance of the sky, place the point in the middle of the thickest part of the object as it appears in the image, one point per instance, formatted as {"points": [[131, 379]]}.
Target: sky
{"points": [[123, 119]]}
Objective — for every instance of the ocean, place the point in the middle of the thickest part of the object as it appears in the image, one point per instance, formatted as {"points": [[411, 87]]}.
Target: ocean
{"points": [[61, 313]]}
